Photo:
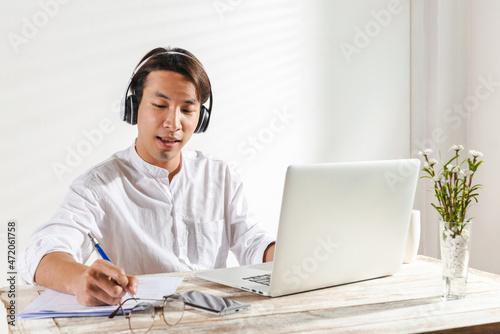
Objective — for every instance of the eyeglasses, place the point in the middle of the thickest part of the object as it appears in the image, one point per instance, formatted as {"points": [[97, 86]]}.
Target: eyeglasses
{"points": [[142, 316]]}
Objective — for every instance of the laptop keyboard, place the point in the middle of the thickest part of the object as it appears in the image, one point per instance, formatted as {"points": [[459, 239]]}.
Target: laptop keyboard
{"points": [[262, 279]]}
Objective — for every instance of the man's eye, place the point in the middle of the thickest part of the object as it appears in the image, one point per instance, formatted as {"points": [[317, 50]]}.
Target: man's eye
{"points": [[159, 105], [188, 111]]}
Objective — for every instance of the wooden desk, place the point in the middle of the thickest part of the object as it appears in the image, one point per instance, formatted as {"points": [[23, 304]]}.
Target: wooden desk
{"points": [[408, 302]]}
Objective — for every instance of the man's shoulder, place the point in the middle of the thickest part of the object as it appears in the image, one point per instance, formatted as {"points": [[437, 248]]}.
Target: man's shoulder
{"points": [[198, 160], [115, 165], [200, 166], [195, 156]]}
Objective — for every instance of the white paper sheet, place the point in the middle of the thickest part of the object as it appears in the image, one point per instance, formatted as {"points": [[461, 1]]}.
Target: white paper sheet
{"points": [[52, 304]]}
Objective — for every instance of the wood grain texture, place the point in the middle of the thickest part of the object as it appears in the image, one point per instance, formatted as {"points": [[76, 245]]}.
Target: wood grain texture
{"points": [[408, 302]]}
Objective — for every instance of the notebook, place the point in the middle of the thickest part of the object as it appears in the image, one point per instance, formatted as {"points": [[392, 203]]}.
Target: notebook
{"points": [[339, 223], [52, 304]]}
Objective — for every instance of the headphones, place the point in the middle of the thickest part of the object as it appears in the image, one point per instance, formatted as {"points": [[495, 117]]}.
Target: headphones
{"points": [[129, 105]]}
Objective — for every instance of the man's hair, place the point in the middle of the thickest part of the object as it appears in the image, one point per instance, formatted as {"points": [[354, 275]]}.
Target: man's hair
{"points": [[176, 60]]}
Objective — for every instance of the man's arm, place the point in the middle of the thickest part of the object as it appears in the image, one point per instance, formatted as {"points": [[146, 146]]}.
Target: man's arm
{"points": [[269, 253], [101, 283]]}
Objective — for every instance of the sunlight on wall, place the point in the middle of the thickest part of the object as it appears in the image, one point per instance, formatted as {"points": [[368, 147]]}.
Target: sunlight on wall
{"points": [[283, 90]]}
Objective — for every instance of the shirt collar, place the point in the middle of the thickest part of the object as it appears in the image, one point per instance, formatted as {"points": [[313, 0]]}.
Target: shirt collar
{"points": [[146, 167]]}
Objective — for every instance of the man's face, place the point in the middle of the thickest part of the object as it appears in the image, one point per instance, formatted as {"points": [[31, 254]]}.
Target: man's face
{"points": [[167, 117]]}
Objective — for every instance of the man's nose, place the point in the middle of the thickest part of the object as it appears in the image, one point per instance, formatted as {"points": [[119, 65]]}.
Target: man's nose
{"points": [[172, 119]]}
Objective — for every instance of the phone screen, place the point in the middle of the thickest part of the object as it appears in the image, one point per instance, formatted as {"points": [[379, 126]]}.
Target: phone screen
{"points": [[213, 304]]}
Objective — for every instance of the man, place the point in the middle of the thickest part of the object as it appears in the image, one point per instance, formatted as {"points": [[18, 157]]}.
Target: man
{"points": [[153, 207]]}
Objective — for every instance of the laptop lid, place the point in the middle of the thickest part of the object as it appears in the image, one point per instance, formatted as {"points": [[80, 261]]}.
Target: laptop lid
{"points": [[342, 222]]}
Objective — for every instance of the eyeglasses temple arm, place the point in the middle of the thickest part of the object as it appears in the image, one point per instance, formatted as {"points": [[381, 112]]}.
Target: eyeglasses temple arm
{"points": [[112, 315]]}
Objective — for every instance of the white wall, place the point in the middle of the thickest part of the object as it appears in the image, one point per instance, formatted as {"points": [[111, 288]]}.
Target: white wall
{"points": [[284, 91], [293, 81]]}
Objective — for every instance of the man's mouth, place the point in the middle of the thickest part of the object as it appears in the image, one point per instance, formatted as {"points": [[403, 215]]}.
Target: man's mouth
{"points": [[169, 140]]}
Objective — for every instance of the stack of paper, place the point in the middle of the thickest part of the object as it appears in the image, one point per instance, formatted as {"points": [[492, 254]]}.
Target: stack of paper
{"points": [[51, 304]]}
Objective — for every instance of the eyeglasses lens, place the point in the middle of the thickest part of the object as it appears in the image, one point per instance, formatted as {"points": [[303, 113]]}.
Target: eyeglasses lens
{"points": [[141, 318], [173, 310]]}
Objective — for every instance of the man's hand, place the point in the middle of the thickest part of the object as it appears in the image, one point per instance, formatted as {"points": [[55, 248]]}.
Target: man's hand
{"points": [[102, 283]]}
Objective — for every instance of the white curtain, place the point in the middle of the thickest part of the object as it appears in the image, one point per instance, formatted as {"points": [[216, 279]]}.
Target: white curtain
{"points": [[456, 100]]}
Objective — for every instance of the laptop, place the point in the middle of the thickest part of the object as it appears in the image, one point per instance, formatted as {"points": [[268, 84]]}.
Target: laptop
{"points": [[339, 223]]}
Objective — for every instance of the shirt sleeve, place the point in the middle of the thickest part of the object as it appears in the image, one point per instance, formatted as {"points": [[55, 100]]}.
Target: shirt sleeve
{"points": [[248, 239], [66, 231]]}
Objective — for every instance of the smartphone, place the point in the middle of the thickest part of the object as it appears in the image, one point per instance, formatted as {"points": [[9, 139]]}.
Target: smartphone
{"points": [[214, 304]]}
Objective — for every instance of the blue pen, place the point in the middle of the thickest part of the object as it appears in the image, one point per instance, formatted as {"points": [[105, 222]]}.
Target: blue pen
{"points": [[103, 254], [99, 249]]}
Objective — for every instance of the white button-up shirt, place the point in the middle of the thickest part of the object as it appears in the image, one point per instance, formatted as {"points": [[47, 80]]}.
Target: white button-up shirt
{"points": [[147, 224]]}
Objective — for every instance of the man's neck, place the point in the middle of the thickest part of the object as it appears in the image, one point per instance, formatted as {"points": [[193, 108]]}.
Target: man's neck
{"points": [[173, 166], [174, 172]]}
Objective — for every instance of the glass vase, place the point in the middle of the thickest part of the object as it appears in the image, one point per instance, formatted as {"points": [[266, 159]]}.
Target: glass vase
{"points": [[455, 251]]}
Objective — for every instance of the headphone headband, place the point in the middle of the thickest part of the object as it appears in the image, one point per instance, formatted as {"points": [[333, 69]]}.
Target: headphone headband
{"points": [[129, 104]]}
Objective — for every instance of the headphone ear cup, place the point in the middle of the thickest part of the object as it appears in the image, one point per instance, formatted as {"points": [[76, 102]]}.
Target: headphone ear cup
{"points": [[203, 120], [131, 108]]}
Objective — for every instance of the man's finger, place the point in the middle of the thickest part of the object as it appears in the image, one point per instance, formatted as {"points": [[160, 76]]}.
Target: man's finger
{"points": [[133, 284], [109, 279], [114, 273], [98, 290]]}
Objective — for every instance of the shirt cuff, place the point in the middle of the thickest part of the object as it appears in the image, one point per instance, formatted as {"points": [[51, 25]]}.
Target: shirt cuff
{"points": [[30, 260]]}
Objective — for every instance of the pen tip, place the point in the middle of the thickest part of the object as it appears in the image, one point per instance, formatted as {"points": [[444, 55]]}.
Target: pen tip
{"points": [[91, 238]]}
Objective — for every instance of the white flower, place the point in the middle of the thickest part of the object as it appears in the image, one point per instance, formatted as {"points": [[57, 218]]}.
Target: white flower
{"points": [[456, 148], [453, 168], [461, 173], [425, 152], [438, 178], [465, 173], [431, 163], [475, 154]]}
